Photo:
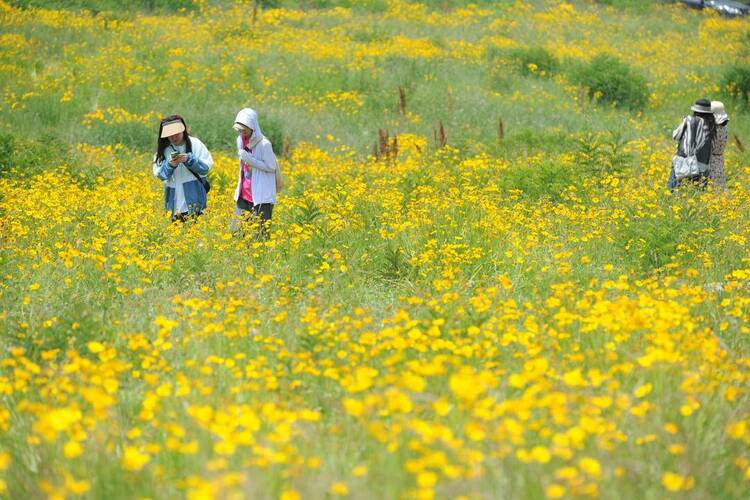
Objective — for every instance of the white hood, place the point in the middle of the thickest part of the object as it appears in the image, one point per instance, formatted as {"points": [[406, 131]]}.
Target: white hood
{"points": [[249, 118]]}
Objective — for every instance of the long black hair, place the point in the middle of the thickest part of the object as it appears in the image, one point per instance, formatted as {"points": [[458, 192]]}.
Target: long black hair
{"points": [[709, 118], [163, 142]]}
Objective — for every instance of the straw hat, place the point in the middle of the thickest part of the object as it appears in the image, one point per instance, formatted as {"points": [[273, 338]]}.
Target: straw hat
{"points": [[172, 128], [701, 106], [717, 108]]}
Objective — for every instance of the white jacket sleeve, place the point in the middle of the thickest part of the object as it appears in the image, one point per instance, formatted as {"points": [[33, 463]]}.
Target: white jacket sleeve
{"points": [[162, 170], [200, 161], [268, 163]]}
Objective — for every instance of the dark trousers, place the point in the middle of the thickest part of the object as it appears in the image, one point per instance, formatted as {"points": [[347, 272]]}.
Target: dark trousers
{"points": [[185, 216], [262, 212]]}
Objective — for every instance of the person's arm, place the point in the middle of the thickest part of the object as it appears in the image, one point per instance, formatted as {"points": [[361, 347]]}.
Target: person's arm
{"points": [[163, 170], [267, 164], [677, 133], [199, 166], [200, 161]]}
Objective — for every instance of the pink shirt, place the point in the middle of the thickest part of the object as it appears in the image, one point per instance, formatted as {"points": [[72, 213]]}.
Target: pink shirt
{"points": [[246, 192]]}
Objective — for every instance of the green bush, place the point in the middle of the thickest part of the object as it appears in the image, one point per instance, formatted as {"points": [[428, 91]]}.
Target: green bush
{"points": [[547, 180], [602, 153], [274, 132], [377, 6], [499, 80], [97, 6], [131, 134], [653, 240], [609, 80], [534, 61], [23, 158], [736, 81], [270, 4], [636, 5]]}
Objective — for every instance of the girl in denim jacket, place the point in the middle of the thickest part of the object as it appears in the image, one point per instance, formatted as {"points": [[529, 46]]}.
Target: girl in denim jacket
{"points": [[182, 162]]}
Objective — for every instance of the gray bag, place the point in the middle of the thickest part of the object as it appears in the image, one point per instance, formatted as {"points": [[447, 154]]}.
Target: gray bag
{"points": [[686, 166], [691, 137]]}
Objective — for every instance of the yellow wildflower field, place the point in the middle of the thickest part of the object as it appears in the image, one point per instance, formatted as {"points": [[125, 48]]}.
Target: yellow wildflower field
{"points": [[504, 315]]}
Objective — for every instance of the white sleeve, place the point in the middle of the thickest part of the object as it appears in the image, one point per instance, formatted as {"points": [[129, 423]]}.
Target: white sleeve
{"points": [[203, 155]]}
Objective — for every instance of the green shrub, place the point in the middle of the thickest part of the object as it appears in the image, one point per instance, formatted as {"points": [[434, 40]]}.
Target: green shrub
{"points": [[653, 240], [547, 180], [23, 158], [394, 263], [447, 5], [96, 6], [602, 152], [498, 76], [377, 6], [673, 231], [534, 61], [270, 4], [131, 134], [7, 147], [609, 80], [736, 81], [274, 132], [531, 140], [635, 5]]}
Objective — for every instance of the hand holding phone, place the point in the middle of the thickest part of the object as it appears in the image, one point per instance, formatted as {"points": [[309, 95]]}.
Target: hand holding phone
{"points": [[176, 158]]}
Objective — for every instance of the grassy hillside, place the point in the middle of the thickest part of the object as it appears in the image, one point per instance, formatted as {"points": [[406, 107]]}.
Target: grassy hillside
{"points": [[517, 309]]}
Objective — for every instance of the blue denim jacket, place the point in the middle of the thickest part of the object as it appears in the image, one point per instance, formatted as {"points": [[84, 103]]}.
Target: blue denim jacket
{"points": [[199, 162]]}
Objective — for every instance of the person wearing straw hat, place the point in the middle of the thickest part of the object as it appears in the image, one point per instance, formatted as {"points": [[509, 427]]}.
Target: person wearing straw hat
{"points": [[182, 162], [716, 173], [259, 175], [695, 133]]}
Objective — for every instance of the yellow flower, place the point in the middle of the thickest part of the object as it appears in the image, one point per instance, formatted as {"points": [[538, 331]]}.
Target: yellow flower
{"points": [[676, 449], [359, 471], [426, 479], [591, 466], [574, 378], [442, 407], [643, 390], [338, 488], [72, 449], [675, 482], [737, 430], [133, 459], [95, 347], [554, 491], [76, 487], [467, 385], [353, 407], [289, 495], [541, 454]]}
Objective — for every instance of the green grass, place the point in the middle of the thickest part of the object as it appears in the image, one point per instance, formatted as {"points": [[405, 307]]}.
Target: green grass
{"points": [[567, 203]]}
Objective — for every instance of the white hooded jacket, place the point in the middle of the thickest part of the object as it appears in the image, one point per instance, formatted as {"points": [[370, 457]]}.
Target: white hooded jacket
{"points": [[262, 160]]}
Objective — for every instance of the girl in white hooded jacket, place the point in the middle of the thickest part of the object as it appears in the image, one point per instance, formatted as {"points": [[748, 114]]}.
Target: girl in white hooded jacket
{"points": [[256, 186]]}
